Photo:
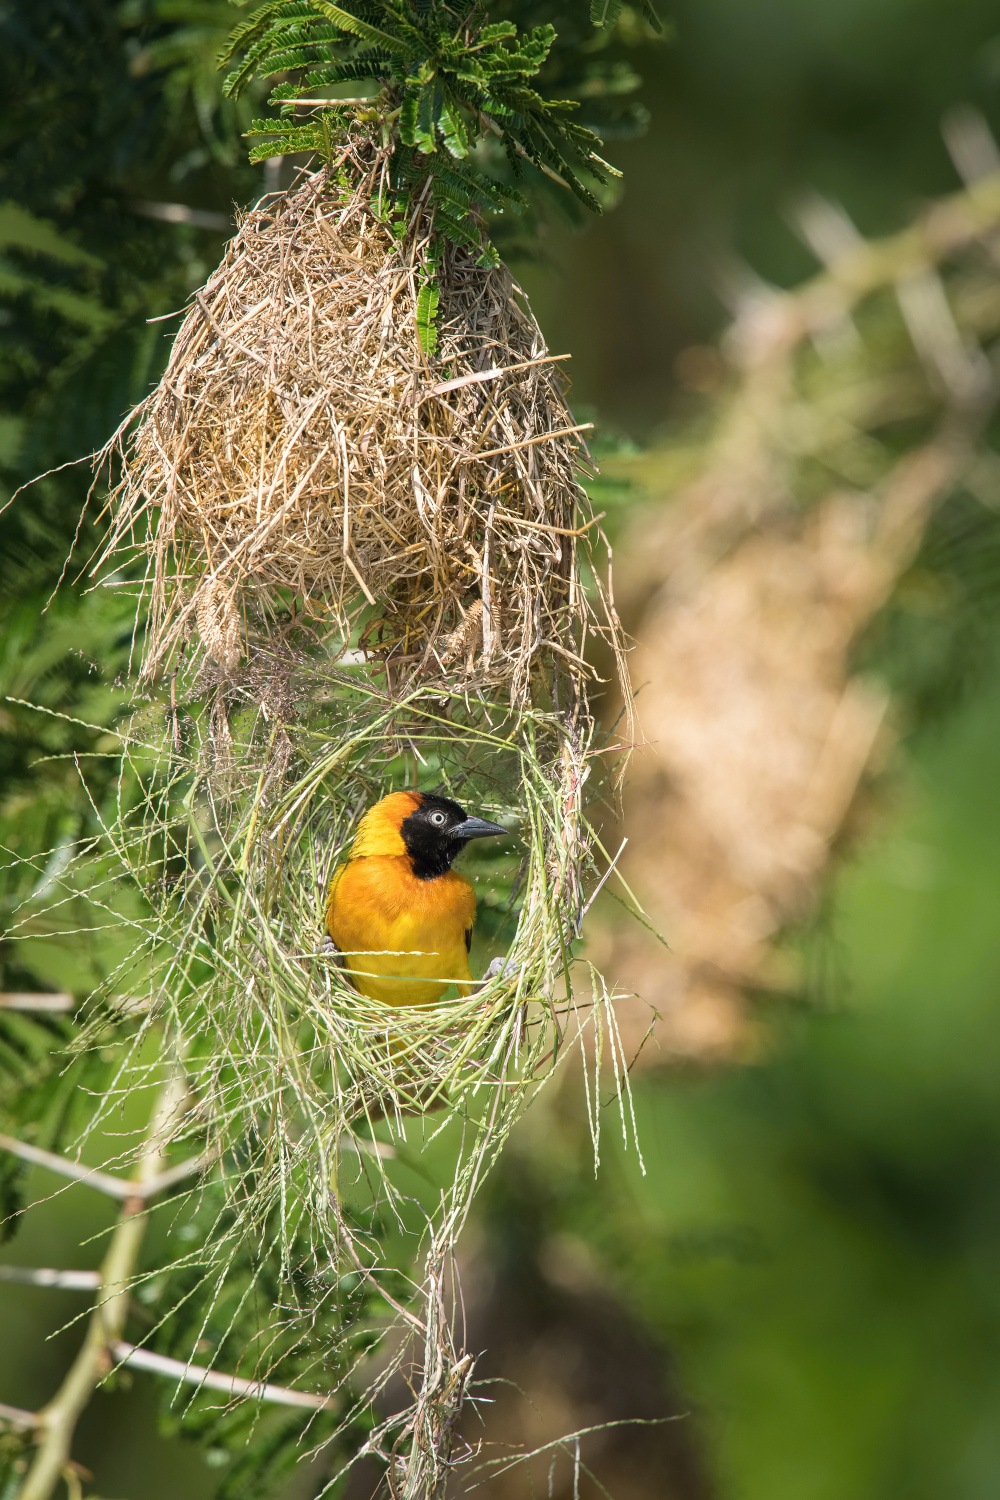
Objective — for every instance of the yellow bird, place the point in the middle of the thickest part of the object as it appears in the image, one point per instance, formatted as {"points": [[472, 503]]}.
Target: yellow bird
{"points": [[399, 914]]}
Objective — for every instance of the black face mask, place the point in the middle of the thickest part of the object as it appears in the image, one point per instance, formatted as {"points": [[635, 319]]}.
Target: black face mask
{"points": [[438, 831]]}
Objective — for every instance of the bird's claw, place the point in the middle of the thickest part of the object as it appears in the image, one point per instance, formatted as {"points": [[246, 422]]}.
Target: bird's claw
{"points": [[502, 968], [327, 948]]}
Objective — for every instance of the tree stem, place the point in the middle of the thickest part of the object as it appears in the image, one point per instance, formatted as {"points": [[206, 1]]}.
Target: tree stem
{"points": [[57, 1421]]}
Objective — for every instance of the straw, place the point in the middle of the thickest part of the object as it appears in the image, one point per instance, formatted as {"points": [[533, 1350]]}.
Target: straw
{"points": [[316, 443]]}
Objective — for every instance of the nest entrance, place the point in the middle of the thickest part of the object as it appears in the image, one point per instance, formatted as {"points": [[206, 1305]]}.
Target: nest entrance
{"points": [[322, 441]]}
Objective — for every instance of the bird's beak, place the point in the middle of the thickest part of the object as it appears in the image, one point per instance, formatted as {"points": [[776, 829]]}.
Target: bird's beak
{"points": [[478, 828]]}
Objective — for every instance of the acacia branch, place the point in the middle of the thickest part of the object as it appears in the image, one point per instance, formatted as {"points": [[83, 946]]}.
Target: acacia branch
{"points": [[92, 1176], [215, 1380], [57, 1421], [114, 1187], [35, 1000], [950, 225], [62, 1000], [75, 1281], [22, 1421]]}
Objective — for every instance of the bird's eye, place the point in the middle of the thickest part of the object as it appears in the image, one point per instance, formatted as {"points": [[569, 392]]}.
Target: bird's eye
{"points": [[437, 818]]}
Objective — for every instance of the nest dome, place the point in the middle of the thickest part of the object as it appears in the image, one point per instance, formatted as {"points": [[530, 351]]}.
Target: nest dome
{"points": [[370, 437]]}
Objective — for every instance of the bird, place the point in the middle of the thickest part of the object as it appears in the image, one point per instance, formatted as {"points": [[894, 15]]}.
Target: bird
{"points": [[399, 915]]}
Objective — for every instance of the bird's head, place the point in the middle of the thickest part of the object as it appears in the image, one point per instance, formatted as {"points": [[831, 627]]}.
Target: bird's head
{"points": [[428, 828]]}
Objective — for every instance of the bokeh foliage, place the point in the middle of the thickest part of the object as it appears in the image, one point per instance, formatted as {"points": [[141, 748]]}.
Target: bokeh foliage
{"points": [[817, 1237]]}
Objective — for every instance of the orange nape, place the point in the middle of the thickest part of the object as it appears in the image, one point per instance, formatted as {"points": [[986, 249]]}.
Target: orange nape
{"points": [[400, 916]]}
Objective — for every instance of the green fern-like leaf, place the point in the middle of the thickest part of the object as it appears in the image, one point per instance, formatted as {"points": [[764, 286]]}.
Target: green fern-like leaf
{"points": [[444, 92], [427, 306], [605, 12], [398, 46], [285, 139]]}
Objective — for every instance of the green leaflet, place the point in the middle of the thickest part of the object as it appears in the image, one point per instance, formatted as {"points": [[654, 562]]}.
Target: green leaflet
{"points": [[427, 306], [21, 230], [371, 34], [605, 12]]}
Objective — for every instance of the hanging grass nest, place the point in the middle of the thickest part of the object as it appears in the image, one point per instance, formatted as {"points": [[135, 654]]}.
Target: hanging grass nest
{"points": [[355, 501], [367, 431], [356, 507]]}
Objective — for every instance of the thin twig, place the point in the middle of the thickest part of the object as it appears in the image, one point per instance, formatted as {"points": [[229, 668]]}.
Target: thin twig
{"points": [[29, 1000], [600, 885], [92, 1176], [25, 1421], [215, 1380], [331, 103], [115, 1187], [57, 1421], [74, 1281]]}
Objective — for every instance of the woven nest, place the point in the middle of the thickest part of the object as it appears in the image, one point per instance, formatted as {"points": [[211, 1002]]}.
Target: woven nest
{"points": [[364, 522], [305, 453]]}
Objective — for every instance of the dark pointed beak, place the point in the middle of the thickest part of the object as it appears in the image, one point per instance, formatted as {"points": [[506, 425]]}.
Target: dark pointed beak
{"points": [[478, 828]]}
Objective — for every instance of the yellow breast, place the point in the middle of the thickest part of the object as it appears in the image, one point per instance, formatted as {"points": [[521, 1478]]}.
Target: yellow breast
{"points": [[403, 939]]}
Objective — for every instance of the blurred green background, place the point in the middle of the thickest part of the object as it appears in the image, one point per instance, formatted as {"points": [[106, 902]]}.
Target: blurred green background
{"points": [[815, 1249], [817, 1237], [752, 105]]}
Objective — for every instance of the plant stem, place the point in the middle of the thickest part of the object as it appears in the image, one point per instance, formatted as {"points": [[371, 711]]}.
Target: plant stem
{"points": [[57, 1421], [215, 1380]]}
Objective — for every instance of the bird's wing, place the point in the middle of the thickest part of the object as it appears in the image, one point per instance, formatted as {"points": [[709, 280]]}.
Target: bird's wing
{"points": [[468, 939], [331, 894]]}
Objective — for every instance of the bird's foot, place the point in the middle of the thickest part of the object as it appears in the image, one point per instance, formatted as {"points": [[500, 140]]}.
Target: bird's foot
{"points": [[327, 948], [502, 968]]}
